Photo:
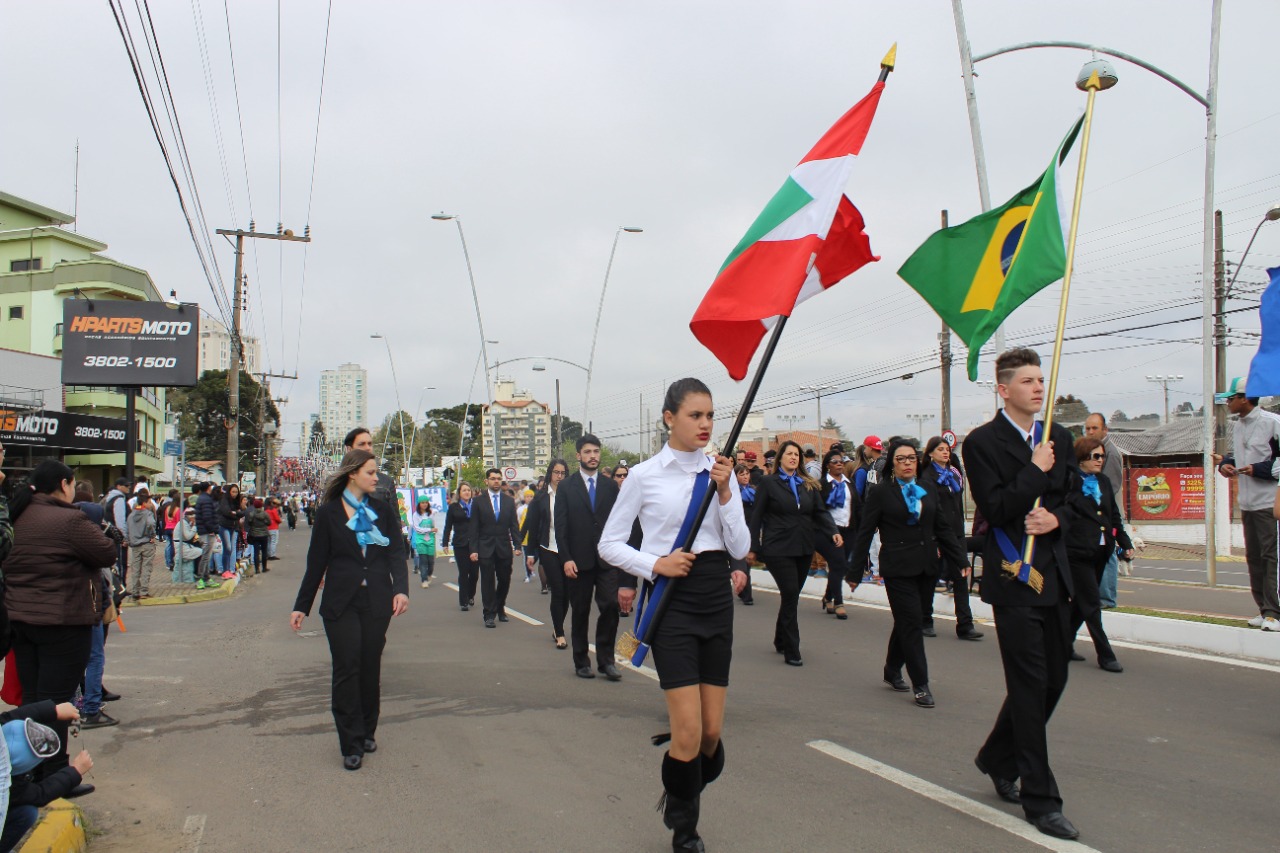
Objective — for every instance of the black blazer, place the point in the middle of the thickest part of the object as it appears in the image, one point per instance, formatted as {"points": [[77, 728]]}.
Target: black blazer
{"points": [[537, 520], [578, 526], [781, 529], [851, 495], [490, 537], [334, 557], [1089, 521], [1005, 484], [906, 550], [950, 504], [457, 523]]}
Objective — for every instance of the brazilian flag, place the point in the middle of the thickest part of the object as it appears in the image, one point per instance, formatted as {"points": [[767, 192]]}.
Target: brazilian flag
{"points": [[975, 274]]}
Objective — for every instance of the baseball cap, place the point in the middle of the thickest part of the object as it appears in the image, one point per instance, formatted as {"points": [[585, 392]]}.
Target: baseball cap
{"points": [[873, 442], [1234, 387], [749, 455]]}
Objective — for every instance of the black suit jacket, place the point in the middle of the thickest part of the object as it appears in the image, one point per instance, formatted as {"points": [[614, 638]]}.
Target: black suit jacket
{"points": [[950, 504], [906, 550], [457, 526], [537, 520], [851, 495], [334, 557], [781, 529], [1005, 484], [578, 526], [491, 537], [1090, 521]]}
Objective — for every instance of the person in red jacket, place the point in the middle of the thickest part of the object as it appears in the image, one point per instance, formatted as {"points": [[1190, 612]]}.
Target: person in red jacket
{"points": [[273, 529]]}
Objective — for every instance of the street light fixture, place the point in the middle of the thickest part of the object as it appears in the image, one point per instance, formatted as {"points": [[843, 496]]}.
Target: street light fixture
{"points": [[1165, 380], [817, 390], [920, 420], [591, 361], [414, 438], [475, 297], [395, 382]]}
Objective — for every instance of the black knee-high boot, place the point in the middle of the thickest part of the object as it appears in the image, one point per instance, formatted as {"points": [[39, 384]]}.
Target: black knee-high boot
{"points": [[679, 804], [712, 765]]}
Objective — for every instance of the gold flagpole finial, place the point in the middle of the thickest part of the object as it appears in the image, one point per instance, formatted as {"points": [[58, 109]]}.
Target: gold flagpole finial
{"points": [[890, 58]]}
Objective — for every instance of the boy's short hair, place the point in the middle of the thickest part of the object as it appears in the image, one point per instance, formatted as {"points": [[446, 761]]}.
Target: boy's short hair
{"points": [[585, 440], [1009, 361]]}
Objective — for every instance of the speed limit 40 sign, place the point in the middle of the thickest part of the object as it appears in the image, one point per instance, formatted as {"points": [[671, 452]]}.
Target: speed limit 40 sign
{"points": [[509, 474]]}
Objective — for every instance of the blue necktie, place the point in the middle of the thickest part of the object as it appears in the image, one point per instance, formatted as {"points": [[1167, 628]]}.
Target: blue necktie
{"points": [[495, 507], [591, 491]]}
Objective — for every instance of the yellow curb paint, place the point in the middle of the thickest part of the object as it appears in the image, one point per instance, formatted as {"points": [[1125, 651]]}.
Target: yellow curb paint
{"points": [[223, 591], [60, 829]]}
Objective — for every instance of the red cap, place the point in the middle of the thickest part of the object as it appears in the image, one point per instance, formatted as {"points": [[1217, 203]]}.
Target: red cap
{"points": [[749, 456], [873, 442]]}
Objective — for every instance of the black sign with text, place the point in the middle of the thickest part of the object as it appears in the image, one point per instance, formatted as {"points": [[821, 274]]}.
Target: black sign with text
{"points": [[120, 342], [62, 431]]}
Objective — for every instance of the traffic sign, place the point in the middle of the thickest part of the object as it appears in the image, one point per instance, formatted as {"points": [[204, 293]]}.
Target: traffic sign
{"points": [[174, 447], [949, 437], [509, 474]]}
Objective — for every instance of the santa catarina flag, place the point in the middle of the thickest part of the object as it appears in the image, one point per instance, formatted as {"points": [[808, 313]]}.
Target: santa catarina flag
{"points": [[975, 274], [808, 237]]}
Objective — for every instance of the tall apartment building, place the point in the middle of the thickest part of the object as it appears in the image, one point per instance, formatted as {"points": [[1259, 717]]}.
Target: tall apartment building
{"points": [[344, 400], [215, 347], [521, 426]]}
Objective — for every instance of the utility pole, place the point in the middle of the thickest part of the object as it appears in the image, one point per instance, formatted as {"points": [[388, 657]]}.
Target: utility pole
{"points": [[944, 350], [264, 440], [232, 422], [1219, 336], [559, 423]]}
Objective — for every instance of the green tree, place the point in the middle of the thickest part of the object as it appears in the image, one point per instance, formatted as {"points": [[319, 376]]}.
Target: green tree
{"points": [[204, 413], [830, 424]]}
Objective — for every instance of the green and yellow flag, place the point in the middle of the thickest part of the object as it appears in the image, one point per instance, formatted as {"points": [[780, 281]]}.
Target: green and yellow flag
{"points": [[975, 274]]}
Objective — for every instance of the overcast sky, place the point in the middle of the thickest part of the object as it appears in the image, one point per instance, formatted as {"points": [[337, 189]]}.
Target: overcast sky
{"points": [[547, 125]]}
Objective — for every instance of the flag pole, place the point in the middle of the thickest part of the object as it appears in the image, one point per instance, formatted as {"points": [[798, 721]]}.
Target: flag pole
{"points": [[637, 646], [1093, 84]]}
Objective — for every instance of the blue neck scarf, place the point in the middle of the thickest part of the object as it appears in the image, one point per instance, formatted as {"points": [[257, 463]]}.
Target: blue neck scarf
{"points": [[466, 507], [362, 521], [836, 499], [1089, 485], [748, 494], [912, 493], [792, 480], [948, 477]]}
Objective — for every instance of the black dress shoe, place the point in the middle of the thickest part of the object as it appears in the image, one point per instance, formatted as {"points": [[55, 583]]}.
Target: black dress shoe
{"points": [[370, 745], [502, 617], [108, 696], [352, 762], [488, 622], [1076, 656], [929, 631], [584, 672], [1112, 665], [894, 680], [923, 697], [1055, 824], [464, 608], [80, 790], [1006, 789], [611, 672], [792, 661], [971, 634]]}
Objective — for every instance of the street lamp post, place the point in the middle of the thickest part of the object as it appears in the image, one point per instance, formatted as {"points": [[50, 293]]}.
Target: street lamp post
{"points": [[591, 361], [1165, 380], [413, 439], [466, 409], [817, 391], [396, 383], [920, 420], [990, 383], [475, 297], [791, 420]]}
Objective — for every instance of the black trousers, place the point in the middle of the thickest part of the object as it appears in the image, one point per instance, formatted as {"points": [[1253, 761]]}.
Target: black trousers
{"points": [[837, 564], [906, 640], [356, 639], [789, 574], [51, 660], [600, 583], [495, 583], [259, 544], [1086, 604], [1034, 650], [553, 570], [960, 598], [468, 574]]}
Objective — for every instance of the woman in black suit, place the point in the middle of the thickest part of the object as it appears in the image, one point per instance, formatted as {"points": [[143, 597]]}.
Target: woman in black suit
{"points": [[939, 470], [457, 524], [912, 532], [1095, 529], [357, 551], [788, 516], [540, 532]]}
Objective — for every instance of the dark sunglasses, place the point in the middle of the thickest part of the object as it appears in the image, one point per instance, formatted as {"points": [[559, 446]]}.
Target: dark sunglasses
{"points": [[619, 476], [1097, 456]]}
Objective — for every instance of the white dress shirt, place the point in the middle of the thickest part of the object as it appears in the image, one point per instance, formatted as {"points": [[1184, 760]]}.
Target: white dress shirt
{"points": [[840, 515], [657, 491], [551, 524], [1026, 435]]}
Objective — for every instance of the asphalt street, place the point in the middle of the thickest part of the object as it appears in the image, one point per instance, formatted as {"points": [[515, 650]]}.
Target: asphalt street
{"points": [[489, 742]]}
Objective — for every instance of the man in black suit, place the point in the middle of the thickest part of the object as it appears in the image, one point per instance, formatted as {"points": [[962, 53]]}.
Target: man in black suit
{"points": [[1007, 478], [582, 508], [493, 528]]}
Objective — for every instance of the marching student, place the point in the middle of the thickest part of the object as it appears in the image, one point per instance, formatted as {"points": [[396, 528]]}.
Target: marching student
{"points": [[748, 491], [494, 531], [1011, 466], [693, 644], [840, 499], [941, 472], [786, 522], [457, 533], [542, 536]]}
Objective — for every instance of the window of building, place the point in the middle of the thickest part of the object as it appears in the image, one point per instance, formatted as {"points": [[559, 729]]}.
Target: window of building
{"points": [[15, 312], [26, 265]]}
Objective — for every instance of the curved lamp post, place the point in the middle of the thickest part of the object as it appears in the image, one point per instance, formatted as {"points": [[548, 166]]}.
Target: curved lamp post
{"points": [[396, 383], [591, 360]]}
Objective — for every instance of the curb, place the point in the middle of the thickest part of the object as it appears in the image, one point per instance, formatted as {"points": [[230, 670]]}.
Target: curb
{"points": [[1221, 641], [223, 591], [60, 829]]}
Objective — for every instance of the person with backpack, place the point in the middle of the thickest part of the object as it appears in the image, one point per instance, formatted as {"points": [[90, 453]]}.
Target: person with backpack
{"points": [[170, 515]]}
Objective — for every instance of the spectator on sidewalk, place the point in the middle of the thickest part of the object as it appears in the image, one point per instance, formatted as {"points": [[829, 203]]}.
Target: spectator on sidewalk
{"points": [[170, 515], [142, 546], [117, 506], [207, 526], [1095, 426], [258, 523], [1256, 446], [94, 692], [273, 529], [28, 741], [187, 548]]}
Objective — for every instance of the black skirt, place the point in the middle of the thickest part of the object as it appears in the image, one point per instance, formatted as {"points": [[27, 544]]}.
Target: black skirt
{"points": [[694, 640]]}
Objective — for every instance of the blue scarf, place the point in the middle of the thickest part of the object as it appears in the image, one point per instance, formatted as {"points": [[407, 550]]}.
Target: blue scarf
{"points": [[362, 521], [748, 494], [794, 481], [912, 493], [835, 500], [948, 477], [1089, 485], [466, 507]]}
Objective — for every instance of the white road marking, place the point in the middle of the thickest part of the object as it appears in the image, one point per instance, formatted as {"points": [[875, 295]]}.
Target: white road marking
{"points": [[972, 808], [626, 662], [193, 833], [167, 679], [516, 613]]}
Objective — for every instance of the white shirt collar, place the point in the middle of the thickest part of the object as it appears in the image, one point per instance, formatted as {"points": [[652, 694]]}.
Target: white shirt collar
{"points": [[842, 479], [1024, 433], [691, 461]]}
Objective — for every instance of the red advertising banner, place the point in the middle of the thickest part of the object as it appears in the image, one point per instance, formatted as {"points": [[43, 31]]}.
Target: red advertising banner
{"points": [[1166, 494]]}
